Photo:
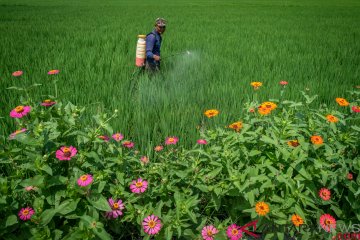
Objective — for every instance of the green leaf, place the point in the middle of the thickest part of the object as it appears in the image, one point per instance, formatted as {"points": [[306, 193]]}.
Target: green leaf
{"points": [[168, 233], [214, 173], [47, 169], [67, 206], [11, 220], [101, 186], [46, 216], [99, 202]]}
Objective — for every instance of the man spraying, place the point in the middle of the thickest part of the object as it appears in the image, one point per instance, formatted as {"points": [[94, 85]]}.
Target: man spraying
{"points": [[153, 45]]}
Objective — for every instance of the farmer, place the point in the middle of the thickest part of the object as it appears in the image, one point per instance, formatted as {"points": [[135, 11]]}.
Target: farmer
{"points": [[153, 45]]}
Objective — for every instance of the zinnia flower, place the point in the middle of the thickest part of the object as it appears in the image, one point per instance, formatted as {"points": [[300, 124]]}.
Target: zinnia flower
{"points": [[117, 137], [256, 85], [251, 110], [116, 207], [138, 186], [264, 111], [128, 144], [236, 126], [293, 143], [26, 213], [327, 222], [211, 113], [85, 180], [342, 102], [66, 153], [355, 109], [234, 232], [297, 220], [283, 83], [349, 176], [171, 140], [316, 140], [104, 137], [52, 72], [152, 225], [202, 141], [30, 188], [270, 105], [332, 118], [262, 208], [144, 159], [17, 73], [208, 232], [20, 111], [325, 194], [12, 136], [47, 103], [158, 148]]}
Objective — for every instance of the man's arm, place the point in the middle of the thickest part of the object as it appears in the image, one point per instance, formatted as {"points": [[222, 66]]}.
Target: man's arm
{"points": [[150, 42]]}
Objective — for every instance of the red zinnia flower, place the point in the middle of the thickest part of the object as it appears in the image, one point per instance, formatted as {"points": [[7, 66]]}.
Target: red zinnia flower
{"points": [[327, 222], [325, 194]]}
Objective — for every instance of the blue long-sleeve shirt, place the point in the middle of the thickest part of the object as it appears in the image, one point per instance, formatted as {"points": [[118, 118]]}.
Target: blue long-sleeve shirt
{"points": [[153, 44]]}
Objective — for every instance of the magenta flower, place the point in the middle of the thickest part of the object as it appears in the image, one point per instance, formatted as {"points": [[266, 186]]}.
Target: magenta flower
{"points": [[26, 213], [202, 141], [158, 148], [152, 225], [116, 207], [208, 232], [355, 109], [138, 186], [12, 136], [104, 137], [53, 72], [234, 232], [85, 180], [117, 137], [66, 153], [47, 103], [171, 140], [20, 111], [283, 83], [128, 144], [144, 159], [17, 73]]}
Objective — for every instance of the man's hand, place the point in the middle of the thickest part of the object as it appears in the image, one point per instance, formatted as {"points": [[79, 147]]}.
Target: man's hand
{"points": [[156, 58]]}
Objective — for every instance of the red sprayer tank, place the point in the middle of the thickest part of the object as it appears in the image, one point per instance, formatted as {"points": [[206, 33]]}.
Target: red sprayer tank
{"points": [[140, 51]]}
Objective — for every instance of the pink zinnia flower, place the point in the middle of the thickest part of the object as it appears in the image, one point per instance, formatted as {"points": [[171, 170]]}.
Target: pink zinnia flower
{"points": [[17, 73], [208, 232], [128, 144], [138, 186], [47, 103], [327, 222], [52, 72], [26, 213], [234, 232], [325, 194], [85, 180], [116, 207], [152, 225], [158, 148], [171, 140], [12, 136], [20, 111], [356, 109], [66, 153], [30, 188], [201, 141], [144, 159], [105, 138], [283, 83], [117, 137], [349, 176], [251, 110]]}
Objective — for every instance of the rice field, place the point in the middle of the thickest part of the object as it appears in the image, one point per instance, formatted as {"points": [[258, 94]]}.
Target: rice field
{"points": [[314, 45]]}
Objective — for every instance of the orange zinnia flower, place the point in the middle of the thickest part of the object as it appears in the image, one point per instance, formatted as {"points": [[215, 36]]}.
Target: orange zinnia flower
{"points": [[332, 118], [263, 110], [316, 140], [262, 208], [211, 113], [256, 85], [297, 220], [236, 126], [342, 102], [293, 143], [269, 105]]}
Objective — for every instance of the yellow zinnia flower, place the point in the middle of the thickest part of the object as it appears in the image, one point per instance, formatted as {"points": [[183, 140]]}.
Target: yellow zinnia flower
{"points": [[211, 113], [256, 85], [332, 118], [342, 102], [236, 126]]}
